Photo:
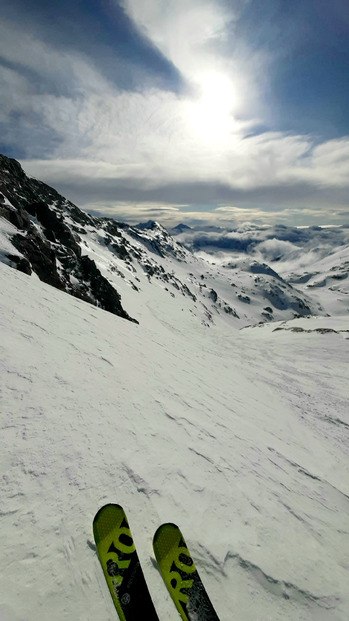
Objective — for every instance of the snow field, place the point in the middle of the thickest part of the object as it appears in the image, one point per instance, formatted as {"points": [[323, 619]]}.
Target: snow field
{"points": [[238, 436]]}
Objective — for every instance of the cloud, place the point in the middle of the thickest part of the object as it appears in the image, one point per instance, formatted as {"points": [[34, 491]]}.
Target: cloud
{"points": [[101, 32], [180, 29], [284, 248], [201, 38], [166, 151]]}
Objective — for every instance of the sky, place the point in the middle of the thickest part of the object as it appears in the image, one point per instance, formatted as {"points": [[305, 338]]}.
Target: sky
{"points": [[195, 111]]}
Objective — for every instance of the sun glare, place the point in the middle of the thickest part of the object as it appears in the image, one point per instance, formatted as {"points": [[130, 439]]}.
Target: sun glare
{"points": [[211, 115]]}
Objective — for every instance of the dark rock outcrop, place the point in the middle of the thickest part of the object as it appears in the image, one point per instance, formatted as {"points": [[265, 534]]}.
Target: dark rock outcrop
{"points": [[40, 256], [100, 288], [48, 238]]}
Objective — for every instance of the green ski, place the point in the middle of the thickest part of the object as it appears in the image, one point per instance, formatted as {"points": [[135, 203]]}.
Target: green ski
{"points": [[180, 575], [121, 567]]}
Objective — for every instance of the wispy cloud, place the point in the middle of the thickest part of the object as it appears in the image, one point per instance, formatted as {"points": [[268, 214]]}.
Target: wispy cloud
{"points": [[189, 146]]}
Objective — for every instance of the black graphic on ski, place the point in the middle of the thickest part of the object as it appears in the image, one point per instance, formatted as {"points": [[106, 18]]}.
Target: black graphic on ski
{"points": [[120, 564], [180, 575]]}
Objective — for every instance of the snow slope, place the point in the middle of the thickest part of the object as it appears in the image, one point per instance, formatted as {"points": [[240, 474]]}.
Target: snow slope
{"points": [[325, 280], [241, 437], [314, 260]]}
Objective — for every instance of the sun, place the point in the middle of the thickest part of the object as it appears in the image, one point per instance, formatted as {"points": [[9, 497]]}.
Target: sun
{"points": [[211, 114]]}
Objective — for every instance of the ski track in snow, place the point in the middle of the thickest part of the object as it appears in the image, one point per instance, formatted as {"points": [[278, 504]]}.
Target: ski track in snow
{"points": [[240, 437]]}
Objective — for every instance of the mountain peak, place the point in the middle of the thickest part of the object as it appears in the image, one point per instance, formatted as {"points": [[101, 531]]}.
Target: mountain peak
{"points": [[150, 225], [180, 228]]}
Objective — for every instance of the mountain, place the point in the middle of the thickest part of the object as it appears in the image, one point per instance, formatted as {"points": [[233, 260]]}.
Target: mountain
{"points": [[103, 261], [314, 259], [180, 228], [237, 433], [322, 275], [46, 238]]}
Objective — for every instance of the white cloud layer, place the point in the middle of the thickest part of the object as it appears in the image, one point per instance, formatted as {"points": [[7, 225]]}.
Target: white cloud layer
{"points": [[153, 139]]}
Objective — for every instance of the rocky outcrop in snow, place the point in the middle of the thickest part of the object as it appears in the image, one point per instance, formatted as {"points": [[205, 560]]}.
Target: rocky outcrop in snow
{"points": [[46, 244]]}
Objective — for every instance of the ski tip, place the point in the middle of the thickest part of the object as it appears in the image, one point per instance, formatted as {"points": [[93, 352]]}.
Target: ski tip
{"points": [[104, 520], [166, 531], [168, 527], [104, 508]]}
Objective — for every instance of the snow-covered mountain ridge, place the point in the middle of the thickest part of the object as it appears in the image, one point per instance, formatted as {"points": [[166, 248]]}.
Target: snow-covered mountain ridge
{"points": [[313, 259], [104, 262]]}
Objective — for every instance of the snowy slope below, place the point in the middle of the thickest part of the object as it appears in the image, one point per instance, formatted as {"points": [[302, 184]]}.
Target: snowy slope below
{"points": [[238, 436], [325, 280], [315, 260]]}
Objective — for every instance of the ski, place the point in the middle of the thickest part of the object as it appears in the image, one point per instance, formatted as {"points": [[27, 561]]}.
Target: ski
{"points": [[180, 575], [123, 573]]}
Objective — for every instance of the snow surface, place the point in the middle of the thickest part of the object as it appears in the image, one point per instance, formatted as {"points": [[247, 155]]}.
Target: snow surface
{"points": [[7, 230], [240, 437], [314, 260]]}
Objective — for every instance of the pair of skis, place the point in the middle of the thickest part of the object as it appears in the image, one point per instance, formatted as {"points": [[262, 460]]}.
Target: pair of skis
{"points": [[125, 578]]}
